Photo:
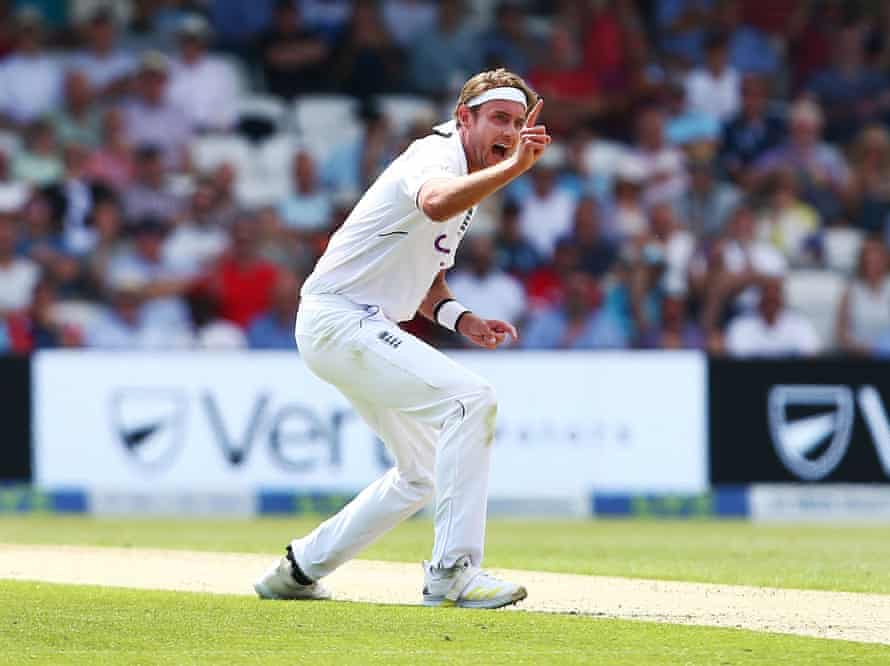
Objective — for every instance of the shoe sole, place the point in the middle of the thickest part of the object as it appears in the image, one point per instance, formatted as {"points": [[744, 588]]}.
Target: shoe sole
{"points": [[498, 602], [265, 592]]}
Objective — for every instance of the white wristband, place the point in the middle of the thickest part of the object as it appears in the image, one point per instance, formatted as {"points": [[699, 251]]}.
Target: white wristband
{"points": [[448, 313]]}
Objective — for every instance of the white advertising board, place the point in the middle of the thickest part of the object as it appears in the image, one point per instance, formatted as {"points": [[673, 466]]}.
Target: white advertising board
{"points": [[568, 423]]}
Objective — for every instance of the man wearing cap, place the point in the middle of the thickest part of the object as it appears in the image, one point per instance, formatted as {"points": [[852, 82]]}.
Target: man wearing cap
{"points": [[204, 86], [385, 263]]}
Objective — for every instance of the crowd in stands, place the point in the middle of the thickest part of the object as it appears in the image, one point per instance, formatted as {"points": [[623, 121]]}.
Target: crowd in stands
{"points": [[171, 170]]}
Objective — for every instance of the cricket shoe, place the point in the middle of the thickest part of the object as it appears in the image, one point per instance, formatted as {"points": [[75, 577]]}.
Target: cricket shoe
{"points": [[285, 580], [467, 586]]}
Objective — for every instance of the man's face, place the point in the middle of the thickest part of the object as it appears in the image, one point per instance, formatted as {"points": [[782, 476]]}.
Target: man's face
{"points": [[492, 131]]}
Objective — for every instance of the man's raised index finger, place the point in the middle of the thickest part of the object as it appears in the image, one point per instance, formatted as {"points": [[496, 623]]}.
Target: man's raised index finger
{"points": [[532, 117]]}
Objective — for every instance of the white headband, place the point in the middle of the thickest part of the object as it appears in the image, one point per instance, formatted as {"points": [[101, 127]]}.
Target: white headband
{"points": [[508, 94]]}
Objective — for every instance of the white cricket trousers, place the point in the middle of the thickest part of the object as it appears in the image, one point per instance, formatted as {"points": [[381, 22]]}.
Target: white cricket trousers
{"points": [[436, 418]]}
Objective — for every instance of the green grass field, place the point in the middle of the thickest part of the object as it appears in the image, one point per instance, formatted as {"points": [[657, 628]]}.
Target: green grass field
{"points": [[44, 623]]}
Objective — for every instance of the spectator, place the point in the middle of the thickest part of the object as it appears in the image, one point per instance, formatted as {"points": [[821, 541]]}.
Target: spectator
{"points": [[681, 28], [150, 119], [127, 324], [162, 284], [78, 120], [105, 221], [355, 164], [328, 17], [863, 315], [366, 62], [308, 208], [447, 54], [561, 76], [409, 20], [627, 217], [292, 56], [148, 196], [821, 168], [107, 68], [112, 163], [37, 327], [869, 197], [598, 253], [43, 240], [714, 88], [674, 329], [546, 212], [483, 287], [76, 195], [30, 80], [545, 287], [198, 240], [753, 130], [39, 163], [707, 204], [143, 29], [242, 280], [237, 23], [788, 223], [850, 93], [772, 331], [663, 167], [750, 50], [203, 86], [509, 43], [18, 274], [576, 323], [515, 254], [212, 332], [274, 329]]}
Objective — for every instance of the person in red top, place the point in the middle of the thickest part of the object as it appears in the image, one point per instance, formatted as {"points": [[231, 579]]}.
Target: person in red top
{"points": [[545, 287], [243, 280]]}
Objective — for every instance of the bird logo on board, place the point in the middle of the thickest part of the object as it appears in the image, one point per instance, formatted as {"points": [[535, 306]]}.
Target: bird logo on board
{"points": [[149, 423]]}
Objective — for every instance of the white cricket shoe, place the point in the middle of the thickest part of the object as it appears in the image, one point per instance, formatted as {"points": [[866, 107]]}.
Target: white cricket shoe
{"points": [[467, 586], [282, 582]]}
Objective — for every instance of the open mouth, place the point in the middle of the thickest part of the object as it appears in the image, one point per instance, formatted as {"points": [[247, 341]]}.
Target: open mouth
{"points": [[499, 150]]}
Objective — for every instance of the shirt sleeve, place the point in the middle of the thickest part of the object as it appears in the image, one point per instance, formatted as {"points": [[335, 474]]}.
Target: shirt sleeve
{"points": [[426, 159]]}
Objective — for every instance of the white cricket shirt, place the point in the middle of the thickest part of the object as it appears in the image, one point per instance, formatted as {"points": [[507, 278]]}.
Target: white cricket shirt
{"points": [[387, 252]]}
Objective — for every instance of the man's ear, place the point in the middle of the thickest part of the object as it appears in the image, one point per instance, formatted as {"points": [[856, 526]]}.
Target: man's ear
{"points": [[464, 115]]}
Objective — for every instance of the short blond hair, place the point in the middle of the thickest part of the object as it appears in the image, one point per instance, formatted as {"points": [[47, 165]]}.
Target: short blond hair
{"points": [[494, 78]]}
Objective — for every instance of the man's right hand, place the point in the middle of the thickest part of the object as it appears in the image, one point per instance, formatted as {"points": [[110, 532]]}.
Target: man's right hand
{"points": [[533, 140]]}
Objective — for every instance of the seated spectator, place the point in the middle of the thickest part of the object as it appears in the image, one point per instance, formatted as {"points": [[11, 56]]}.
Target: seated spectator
{"points": [[203, 86], [509, 43], [211, 331], [663, 166], [274, 329], [150, 119], [162, 283], [40, 162], [243, 280], [148, 195], [545, 214], [43, 241], [545, 287], [772, 331], [112, 162], [751, 51], [447, 54], [821, 169], [514, 253], [199, 239], [482, 286], [127, 324], [18, 274], [576, 323], [705, 207], [78, 120], [863, 315], [752, 131], [681, 27], [627, 218], [791, 225], [76, 195], [292, 56], [561, 76], [30, 79], [598, 253], [366, 62], [674, 330], [409, 20], [107, 68], [36, 327], [330, 18], [309, 207], [352, 166], [870, 183], [851, 93], [106, 222], [714, 88]]}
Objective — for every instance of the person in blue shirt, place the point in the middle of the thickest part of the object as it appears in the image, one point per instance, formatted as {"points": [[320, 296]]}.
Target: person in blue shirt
{"points": [[274, 329]]}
